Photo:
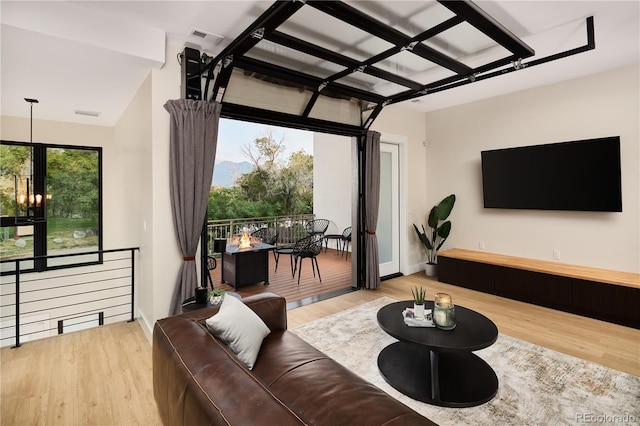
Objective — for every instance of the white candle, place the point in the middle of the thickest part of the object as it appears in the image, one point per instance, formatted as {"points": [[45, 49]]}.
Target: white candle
{"points": [[439, 316]]}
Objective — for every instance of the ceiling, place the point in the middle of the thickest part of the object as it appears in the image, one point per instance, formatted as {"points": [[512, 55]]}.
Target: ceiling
{"points": [[92, 56]]}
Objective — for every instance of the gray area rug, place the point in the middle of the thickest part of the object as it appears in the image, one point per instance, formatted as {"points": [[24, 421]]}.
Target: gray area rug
{"points": [[537, 386]]}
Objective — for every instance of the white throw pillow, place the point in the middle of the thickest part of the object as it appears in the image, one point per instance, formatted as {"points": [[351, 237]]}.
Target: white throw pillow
{"points": [[239, 327]]}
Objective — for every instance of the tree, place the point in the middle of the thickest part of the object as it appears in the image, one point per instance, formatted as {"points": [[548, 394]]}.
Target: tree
{"points": [[273, 188], [255, 185], [72, 180], [265, 156], [265, 152], [14, 160], [226, 203], [295, 184]]}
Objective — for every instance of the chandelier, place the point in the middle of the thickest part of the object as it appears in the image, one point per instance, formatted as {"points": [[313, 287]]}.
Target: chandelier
{"points": [[28, 195]]}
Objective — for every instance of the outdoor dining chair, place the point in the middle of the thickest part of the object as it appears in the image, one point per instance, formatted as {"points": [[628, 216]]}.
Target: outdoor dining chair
{"points": [[286, 250], [340, 239], [212, 264], [346, 240], [268, 236], [308, 247], [335, 237], [317, 226]]}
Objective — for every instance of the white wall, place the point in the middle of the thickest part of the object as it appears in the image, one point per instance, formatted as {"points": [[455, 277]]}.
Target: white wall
{"points": [[404, 126], [601, 105], [165, 85], [334, 176], [146, 125], [132, 178], [332, 182]]}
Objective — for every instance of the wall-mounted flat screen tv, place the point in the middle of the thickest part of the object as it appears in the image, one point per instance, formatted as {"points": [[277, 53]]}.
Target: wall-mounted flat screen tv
{"points": [[579, 175]]}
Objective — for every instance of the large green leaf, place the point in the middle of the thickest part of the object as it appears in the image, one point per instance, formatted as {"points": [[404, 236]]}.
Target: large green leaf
{"points": [[444, 229], [417, 230], [423, 237], [443, 232], [443, 210], [426, 242], [432, 221]]}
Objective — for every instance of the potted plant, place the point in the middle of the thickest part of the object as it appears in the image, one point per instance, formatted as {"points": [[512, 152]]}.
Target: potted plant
{"points": [[215, 296], [419, 294], [439, 229]]}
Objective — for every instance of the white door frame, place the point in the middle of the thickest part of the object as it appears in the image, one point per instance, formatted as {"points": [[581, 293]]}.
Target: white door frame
{"points": [[388, 229], [401, 142]]}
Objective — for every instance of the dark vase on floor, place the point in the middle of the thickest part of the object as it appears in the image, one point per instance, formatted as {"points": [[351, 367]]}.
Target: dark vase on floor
{"points": [[201, 295]]}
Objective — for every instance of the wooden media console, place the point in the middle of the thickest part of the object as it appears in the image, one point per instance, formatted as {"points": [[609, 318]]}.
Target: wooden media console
{"points": [[603, 294]]}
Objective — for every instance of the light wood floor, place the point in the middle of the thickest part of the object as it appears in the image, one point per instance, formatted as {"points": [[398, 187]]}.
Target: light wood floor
{"points": [[611, 345], [103, 376], [100, 376]]}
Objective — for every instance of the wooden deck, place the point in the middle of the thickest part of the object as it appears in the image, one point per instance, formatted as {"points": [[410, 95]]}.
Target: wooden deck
{"points": [[334, 269]]}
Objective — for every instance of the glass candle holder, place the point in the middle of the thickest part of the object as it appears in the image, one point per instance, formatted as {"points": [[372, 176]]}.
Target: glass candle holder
{"points": [[444, 312]]}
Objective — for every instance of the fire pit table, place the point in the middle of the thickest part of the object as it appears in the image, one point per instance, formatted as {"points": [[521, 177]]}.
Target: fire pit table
{"points": [[244, 266]]}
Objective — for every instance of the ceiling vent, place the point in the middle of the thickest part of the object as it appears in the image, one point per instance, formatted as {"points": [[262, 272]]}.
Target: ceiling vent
{"points": [[203, 36], [89, 113]]}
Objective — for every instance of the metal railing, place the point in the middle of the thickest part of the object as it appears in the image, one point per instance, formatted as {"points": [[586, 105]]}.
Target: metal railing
{"points": [[35, 304], [290, 228]]}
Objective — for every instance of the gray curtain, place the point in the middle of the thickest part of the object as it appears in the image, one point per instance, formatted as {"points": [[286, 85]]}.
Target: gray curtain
{"points": [[194, 137], [371, 202]]}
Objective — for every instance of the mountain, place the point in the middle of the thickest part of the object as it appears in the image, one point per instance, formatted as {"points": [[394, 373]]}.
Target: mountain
{"points": [[225, 173]]}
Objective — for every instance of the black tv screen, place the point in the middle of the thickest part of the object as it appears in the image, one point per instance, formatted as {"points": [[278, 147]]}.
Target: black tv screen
{"points": [[580, 175]]}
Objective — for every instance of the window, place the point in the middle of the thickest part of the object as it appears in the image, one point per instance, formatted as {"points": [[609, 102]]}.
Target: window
{"points": [[50, 204]]}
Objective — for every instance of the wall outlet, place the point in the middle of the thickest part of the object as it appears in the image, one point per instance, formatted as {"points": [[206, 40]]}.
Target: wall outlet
{"points": [[556, 254], [481, 245]]}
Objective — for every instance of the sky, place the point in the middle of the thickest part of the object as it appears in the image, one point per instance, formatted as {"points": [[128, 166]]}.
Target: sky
{"points": [[233, 135]]}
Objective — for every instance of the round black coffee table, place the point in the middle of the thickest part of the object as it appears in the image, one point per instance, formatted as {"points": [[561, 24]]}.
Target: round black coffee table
{"points": [[437, 366]]}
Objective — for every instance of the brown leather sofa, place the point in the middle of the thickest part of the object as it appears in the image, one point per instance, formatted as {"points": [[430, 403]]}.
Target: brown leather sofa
{"points": [[198, 381]]}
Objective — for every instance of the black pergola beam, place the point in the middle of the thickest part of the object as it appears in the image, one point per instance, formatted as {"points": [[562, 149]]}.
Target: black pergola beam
{"points": [[311, 49], [234, 55], [357, 19], [440, 28], [352, 64], [376, 28], [489, 26], [393, 78], [272, 18], [432, 32], [339, 59], [275, 118], [457, 81], [277, 72], [306, 80]]}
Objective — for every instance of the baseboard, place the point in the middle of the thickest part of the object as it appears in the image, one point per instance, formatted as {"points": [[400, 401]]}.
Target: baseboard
{"points": [[417, 267], [147, 328], [391, 276]]}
